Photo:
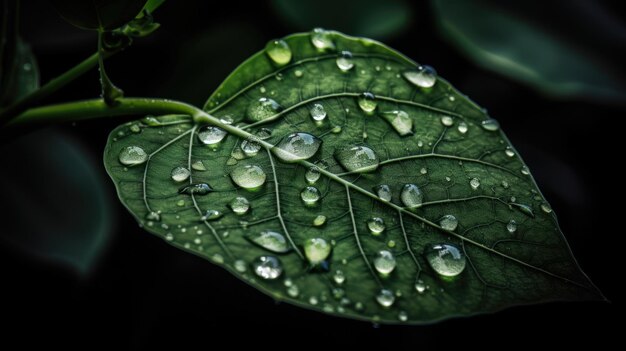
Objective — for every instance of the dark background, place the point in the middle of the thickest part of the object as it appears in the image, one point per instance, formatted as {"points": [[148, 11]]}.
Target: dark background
{"points": [[142, 293]]}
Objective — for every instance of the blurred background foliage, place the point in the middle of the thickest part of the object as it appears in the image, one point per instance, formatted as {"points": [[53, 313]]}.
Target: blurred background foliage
{"points": [[552, 73]]}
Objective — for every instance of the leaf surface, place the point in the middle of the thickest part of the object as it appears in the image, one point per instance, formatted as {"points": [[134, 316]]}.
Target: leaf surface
{"points": [[432, 139]]}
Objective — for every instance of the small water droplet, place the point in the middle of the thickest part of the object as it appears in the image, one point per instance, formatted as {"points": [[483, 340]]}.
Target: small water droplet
{"points": [[376, 225], [169, 237], [278, 50], [384, 192], [344, 61], [198, 166], [319, 220], [153, 216], [447, 121], [310, 195], [313, 300], [359, 159], [449, 223], [384, 262], [490, 124], [339, 277], [423, 170], [338, 293], [267, 267], [411, 196], [263, 133], [262, 109], [217, 258], [293, 291], [180, 203], [474, 183], [312, 175], [250, 147], [318, 112], [423, 77], [322, 40], [511, 227], [298, 73], [240, 266], [462, 127], [336, 129], [316, 250], [240, 205], [505, 184], [420, 287], [270, 240], [385, 298], [367, 102], [211, 135], [151, 121], [525, 170], [211, 215], [135, 128], [400, 121], [509, 152], [196, 189], [391, 244], [180, 174], [445, 259], [132, 155], [297, 146], [546, 208], [248, 177], [403, 316]]}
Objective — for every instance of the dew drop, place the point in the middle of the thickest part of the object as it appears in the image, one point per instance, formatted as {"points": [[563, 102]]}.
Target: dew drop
{"points": [[250, 147], [293, 291], [344, 61], [316, 250], [509, 152], [248, 177], [196, 189], [376, 225], [180, 203], [336, 129], [358, 159], [367, 102], [211, 215], [339, 277], [322, 40], [490, 124], [385, 298], [511, 227], [217, 258], [169, 237], [447, 121], [135, 128], [525, 170], [240, 266], [319, 220], [318, 112], [153, 216], [384, 192], [310, 195], [240, 205], [462, 127], [267, 267], [262, 109], [313, 300], [391, 244], [264, 133], [211, 135], [279, 51], [423, 77], [298, 73], [411, 196], [546, 208], [449, 223], [270, 240], [198, 166], [403, 316], [384, 262], [445, 259], [297, 147], [400, 121], [505, 184], [420, 287], [132, 155], [474, 183], [423, 170], [312, 175], [180, 174]]}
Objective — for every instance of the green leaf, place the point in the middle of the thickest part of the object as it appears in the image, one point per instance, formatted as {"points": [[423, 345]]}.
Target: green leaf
{"points": [[513, 46], [456, 186], [98, 14]]}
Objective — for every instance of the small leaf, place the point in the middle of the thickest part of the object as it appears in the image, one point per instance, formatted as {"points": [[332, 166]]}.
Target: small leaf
{"points": [[382, 224], [98, 14]]}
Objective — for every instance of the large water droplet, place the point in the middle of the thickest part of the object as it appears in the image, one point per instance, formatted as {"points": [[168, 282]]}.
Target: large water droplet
{"points": [[271, 241], [240, 205], [180, 174], [462, 127], [449, 223], [511, 227], [262, 109], [344, 61], [490, 124], [310, 195], [211, 215], [384, 192], [318, 112], [297, 146], [316, 250], [385, 298], [474, 183], [367, 102], [267, 267], [358, 159], [248, 176], [250, 147], [210, 135], [384, 262], [322, 40], [196, 189], [339, 277], [376, 225], [445, 259], [279, 51], [132, 155], [400, 121], [423, 77], [447, 121], [411, 196]]}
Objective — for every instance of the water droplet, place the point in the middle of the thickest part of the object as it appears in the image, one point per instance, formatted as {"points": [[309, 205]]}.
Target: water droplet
{"points": [[132, 155], [312, 175], [319, 220], [211, 215], [322, 40], [198, 166], [263, 109], [279, 51], [318, 113], [250, 147], [151, 121], [449, 223], [445, 259], [336, 129], [298, 73], [313, 300], [217, 258], [474, 183], [180, 203], [153, 216], [180, 174], [359, 159], [248, 176], [196, 189], [411, 196], [270, 240], [310, 195], [385, 297], [490, 124], [376, 225], [344, 61], [400, 121], [505, 184], [525, 170], [240, 205], [511, 227], [169, 237], [135, 128], [367, 102], [339, 277], [316, 250], [546, 208], [447, 121], [423, 77], [423, 170], [293, 291], [240, 266], [462, 127], [211, 135], [403, 316], [525, 209], [391, 244], [420, 287], [267, 267], [384, 192], [338, 293], [509, 152], [264, 133], [297, 146], [384, 262]]}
